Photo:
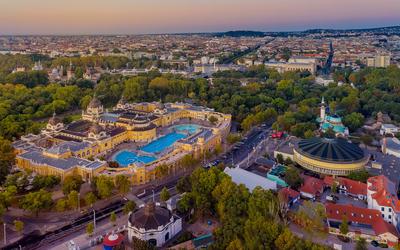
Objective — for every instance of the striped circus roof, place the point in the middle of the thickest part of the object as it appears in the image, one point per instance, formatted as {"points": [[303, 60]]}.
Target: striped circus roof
{"points": [[330, 150]]}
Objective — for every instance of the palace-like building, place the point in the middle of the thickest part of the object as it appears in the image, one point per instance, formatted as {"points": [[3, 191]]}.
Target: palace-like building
{"points": [[82, 146]]}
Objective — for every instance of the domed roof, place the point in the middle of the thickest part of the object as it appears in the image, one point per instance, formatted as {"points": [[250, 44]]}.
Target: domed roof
{"points": [[94, 103], [96, 129], [330, 150], [54, 120], [150, 217]]}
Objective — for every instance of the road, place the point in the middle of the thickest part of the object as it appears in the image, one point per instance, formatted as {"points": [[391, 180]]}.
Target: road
{"points": [[243, 154], [252, 145]]}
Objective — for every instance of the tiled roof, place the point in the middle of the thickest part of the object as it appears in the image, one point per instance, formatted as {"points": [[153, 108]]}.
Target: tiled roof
{"points": [[354, 214], [362, 216], [38, 158], [288, 194], [353, 187], [385, 192], [312, 185], [381, 226], [67, 146]]}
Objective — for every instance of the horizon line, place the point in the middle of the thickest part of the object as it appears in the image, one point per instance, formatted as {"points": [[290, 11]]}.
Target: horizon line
{"points": [[205, 32]]}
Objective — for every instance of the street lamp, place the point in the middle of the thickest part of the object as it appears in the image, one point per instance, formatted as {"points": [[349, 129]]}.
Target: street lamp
{"points": [[94, 219], [79, 202], [5, 234]]}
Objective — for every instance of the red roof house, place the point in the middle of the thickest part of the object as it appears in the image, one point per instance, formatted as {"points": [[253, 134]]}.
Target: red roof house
{"points": [[312, 187], [348, 186], [362, 220]]}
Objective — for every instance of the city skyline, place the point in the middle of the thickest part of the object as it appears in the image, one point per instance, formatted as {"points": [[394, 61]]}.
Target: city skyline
{"points": [[23, 17]]}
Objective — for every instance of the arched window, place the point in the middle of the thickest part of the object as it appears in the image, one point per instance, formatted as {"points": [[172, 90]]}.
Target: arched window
{"points": [[167, 236], [153, 242]]}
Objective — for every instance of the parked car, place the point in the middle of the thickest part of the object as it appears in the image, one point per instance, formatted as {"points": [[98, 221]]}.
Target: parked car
{"points": [[374, 243], [332, 198]]}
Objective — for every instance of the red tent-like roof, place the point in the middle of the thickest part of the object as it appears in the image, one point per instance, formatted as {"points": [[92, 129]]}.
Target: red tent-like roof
{"points": [[113, 240]]}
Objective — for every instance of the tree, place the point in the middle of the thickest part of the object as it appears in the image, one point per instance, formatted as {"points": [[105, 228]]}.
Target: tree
{"points": [[367, 139], [129, 207], [334, 187], [164, 195], [138, 244], [73, 199], [45, 181], [361, 244], [61, 205], [113, 218], [183, 185], [122, 183], [72, 182], [287, 241], [260, 232], [293, 178], [361, 175], [279, 158], [236, 244], [188, 161], [353, 121], [344, 226], [161, 171], [7, 196], [7, 158], [308, 134], [311, 216], [104, 186], [90, 229], [36, 201], [90, 198], [233, 138], [19, 226], [186, 203], [213, 120]]}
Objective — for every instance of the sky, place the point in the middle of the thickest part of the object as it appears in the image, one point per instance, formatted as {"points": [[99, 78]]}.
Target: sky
{"points": [[175, 16]]}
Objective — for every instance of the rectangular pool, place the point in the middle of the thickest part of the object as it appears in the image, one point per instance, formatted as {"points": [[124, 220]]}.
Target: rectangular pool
{"points": [[163, 142]]}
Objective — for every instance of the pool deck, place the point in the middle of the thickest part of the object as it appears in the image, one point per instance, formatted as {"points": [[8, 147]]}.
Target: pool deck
{"points": [[135, 147]]}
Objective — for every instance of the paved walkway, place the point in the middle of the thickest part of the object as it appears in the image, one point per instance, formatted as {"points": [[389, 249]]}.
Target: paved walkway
{"points": [[81, 239]]}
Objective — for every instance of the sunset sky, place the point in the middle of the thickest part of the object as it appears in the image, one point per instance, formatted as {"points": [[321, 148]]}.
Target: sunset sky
{"points": [[170, 16]]}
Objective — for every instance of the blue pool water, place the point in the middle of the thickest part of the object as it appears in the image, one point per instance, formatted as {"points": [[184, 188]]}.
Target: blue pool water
{"points": [[124, 158], [162, 143], [191, 128]]}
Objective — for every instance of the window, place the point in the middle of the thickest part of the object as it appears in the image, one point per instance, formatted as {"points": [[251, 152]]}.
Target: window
{"points": [[390, 209], [390, 216], [383, 216], [382, 209]]}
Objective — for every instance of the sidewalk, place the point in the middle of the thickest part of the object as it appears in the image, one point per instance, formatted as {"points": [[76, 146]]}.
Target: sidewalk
{"points": [[82, 240]]}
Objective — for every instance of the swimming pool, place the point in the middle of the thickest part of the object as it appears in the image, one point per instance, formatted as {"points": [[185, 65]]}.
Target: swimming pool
{"points": [[163, 142], [191, 128], [124, 158]]}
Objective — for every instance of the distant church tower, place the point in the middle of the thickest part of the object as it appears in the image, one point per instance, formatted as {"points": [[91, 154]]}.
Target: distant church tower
{"points": [[323, 109], [70, 72]]}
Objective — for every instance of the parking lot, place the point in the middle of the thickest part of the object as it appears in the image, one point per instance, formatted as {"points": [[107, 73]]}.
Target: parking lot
{"points": [[344, 200], [390, 166]]}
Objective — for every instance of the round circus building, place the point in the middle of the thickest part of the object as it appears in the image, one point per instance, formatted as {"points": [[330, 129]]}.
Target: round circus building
{"points": [[329, 156]]}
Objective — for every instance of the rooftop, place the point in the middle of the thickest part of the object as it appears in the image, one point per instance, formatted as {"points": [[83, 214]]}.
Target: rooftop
{"points": [[331, 150]]}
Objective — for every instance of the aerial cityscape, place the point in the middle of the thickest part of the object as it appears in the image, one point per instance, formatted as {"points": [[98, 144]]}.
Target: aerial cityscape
{"points": [[214, 125]]}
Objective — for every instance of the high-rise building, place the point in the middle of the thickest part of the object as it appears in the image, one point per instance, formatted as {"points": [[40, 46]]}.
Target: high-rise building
{"points": [[379, 61]]}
